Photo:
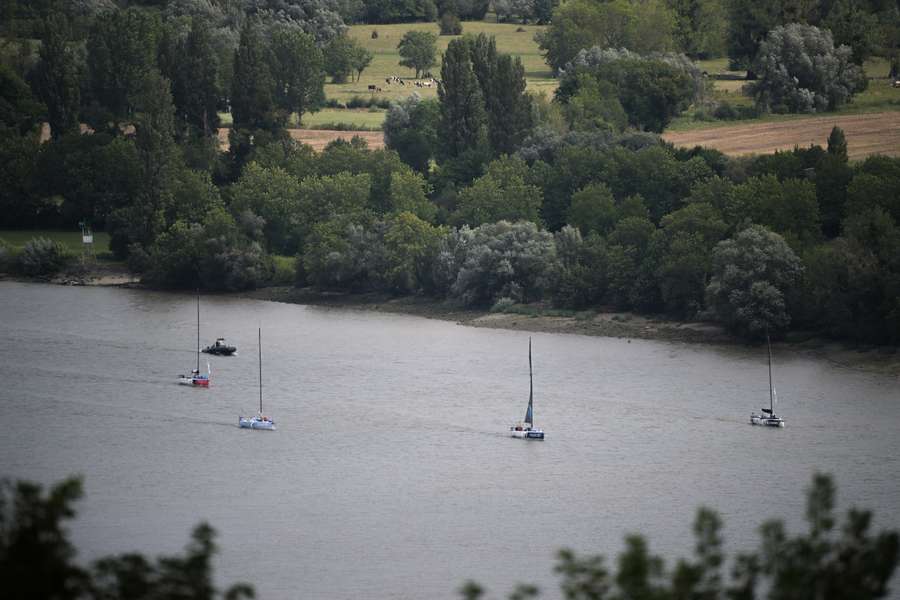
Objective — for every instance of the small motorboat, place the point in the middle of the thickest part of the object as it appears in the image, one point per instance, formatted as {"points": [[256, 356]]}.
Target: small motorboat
{"points": [[220, 348]]}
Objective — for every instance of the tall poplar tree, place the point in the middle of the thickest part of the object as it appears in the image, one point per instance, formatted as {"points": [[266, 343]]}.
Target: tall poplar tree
{"points": [[463, 115], [121, 51], [252, 102], [509, 106], [502, 82], [58, 77], [135, 226], [195, 82]]}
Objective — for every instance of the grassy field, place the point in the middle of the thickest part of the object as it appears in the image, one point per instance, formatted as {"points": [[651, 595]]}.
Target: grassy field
{"points": [[387, 59], [70, 239], [386, 63], [728, 86], [363, 119], [878, 97]]}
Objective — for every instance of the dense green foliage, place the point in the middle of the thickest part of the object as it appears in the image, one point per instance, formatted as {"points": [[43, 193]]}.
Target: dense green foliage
{"points": [[344, 57], [830, 561], [650, 89], [865, 25], [800, 70], [820, 564], [641, 26], [486, 194], [37, 559], [418, 51], [42, 257], [411, 129]]}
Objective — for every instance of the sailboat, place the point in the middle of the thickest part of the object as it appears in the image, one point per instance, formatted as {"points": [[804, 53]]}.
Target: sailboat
{"points": [[260, 421], [525, 429], [768, 416], [195, 378]]}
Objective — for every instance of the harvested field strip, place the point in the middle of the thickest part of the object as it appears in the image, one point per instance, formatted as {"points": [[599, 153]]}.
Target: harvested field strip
{"points": [[318, 138], [867, 134]]}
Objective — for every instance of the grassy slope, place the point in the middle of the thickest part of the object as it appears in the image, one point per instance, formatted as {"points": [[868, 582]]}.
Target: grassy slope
{"points": [[70, 239]]}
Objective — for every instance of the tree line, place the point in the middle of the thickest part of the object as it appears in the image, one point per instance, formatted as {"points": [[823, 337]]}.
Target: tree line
{"points": [[487, 195], [830, 561]]}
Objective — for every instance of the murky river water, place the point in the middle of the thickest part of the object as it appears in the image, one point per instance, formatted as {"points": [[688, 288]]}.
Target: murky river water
{"points": [[390, 475]]}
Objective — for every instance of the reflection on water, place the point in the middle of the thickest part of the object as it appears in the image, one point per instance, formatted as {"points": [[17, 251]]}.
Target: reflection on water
{"points": [[391, 473]]}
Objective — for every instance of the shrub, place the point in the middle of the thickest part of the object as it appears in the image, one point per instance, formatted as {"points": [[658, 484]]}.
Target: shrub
{"points": [[503, 304], [42, 258], [728, 112], [284, 270], [800, 71], [450, 24], [368, 102], [725, 112], [341, 126], [7, 257], [652, 89]]}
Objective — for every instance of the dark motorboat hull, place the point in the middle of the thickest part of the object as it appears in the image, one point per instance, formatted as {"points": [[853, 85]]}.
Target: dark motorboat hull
{"points": [[220, 350]]}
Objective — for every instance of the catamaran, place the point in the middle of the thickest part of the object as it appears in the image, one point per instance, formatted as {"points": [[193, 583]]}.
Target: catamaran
{"points": [[526, 430], [260, 421], [768, 416], [196, 378]]}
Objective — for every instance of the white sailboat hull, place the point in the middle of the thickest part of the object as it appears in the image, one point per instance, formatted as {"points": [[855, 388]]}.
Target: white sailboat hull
{"points": [[766, 420], [195, 381], [256, 423], [526, 434]]}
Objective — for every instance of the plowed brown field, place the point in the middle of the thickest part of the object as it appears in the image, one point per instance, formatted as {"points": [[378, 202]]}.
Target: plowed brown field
{"points": [[877, 133], [318, 138]]}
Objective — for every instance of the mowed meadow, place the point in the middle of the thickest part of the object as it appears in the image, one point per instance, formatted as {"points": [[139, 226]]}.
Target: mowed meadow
{"points": [[386, 64]]}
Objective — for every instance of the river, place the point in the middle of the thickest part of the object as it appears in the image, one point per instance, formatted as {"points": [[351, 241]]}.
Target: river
{"points": [[391, 474]]}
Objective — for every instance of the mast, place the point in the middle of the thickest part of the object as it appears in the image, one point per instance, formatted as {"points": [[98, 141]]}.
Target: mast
{"points": [[771, 387], [260, 370], [198, 332], [529, 414]]}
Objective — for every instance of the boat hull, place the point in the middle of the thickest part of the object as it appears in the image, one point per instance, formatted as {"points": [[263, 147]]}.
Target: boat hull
{"points": [[766, 421], [220, 351], [256, 423], [195, 381], [531, 434]]}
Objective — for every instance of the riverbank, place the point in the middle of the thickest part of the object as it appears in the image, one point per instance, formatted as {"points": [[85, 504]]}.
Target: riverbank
{"points": [[608, 323], [526, 318], [625, 325]]}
